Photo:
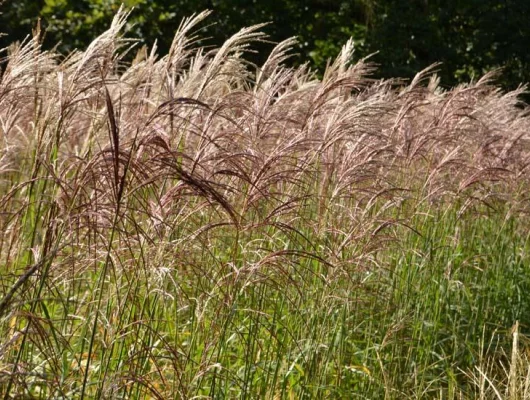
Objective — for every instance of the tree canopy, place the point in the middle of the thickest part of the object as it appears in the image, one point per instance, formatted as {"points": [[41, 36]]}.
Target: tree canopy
{"points": [[469, 37]]}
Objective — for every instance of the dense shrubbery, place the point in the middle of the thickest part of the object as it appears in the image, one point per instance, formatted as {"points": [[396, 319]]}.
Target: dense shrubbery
{"points": [[184, 226]]}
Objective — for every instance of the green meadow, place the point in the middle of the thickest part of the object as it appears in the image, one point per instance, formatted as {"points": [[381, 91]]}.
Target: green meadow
{"points": [[193, 226]]}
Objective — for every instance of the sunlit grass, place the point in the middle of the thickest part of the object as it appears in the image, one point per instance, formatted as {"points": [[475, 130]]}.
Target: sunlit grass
{"points": [[190, 226]]}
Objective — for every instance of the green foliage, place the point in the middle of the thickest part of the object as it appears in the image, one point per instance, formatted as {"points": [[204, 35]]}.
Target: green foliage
{"points": [[321, 26], [17, 18], [469, 37]]}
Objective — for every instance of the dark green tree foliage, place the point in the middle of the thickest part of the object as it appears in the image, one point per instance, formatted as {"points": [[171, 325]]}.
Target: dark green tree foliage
{"points": [[469, 37], [17, 19], [322, 26]]}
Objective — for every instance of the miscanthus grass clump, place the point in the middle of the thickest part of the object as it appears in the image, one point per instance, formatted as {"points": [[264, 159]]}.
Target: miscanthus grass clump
{"points": [[193, 226]]}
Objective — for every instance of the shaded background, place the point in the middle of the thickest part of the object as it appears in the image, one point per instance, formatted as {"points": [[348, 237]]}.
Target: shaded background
{"points": [[470, 37]]}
